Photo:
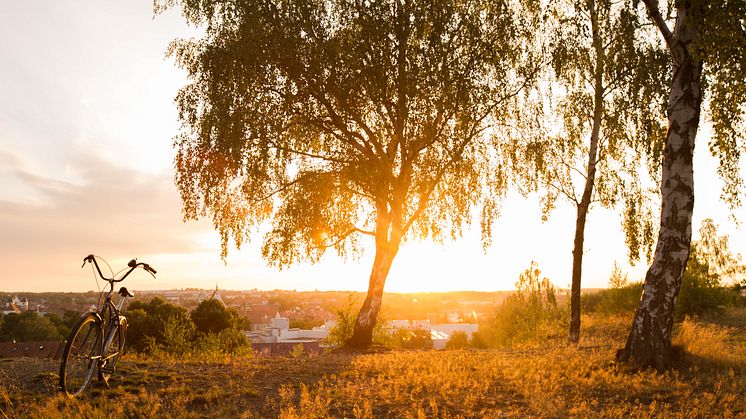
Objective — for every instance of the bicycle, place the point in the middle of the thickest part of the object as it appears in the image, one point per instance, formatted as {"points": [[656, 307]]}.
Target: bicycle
{"points": [[97, 340]]}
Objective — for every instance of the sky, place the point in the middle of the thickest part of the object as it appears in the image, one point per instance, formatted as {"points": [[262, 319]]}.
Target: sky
{"points": [[87, 121]]}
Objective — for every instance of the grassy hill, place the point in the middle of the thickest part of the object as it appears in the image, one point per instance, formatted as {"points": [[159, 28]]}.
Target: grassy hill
{"points": [[547, 380]]}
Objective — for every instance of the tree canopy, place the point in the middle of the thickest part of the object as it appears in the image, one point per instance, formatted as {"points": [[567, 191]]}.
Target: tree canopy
{"points": [[336, 120], [340, 119], [212, 316]]}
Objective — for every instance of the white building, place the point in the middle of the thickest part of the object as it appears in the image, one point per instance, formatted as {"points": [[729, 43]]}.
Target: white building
{"points": [[280, 331]]}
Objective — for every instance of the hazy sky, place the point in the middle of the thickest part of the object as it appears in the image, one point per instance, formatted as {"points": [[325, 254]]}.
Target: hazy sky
{"points": [[86, 126]]}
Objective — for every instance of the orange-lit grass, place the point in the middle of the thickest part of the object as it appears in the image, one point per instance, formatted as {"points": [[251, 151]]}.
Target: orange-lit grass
{"points": [[549, 380]]}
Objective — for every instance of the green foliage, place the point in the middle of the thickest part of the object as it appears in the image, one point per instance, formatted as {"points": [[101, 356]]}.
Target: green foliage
{"points": [[28, 326], [701, 292], [337, 119], [721, 45], [305, 324], [58, 324], [458, 340], [530, 314], [231, 342], [298, 352], [345, 323], [418, 339], [212, 316], [597, 116], [479, 340], [159, 324], [710, 261]]}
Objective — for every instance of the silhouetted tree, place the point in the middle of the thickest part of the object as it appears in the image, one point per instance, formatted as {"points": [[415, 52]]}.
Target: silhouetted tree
{"points": [[212, 316], [336, 120]]}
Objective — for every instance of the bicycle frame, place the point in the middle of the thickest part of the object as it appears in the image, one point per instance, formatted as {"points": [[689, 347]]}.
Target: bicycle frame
{"points": [[111, 319]]}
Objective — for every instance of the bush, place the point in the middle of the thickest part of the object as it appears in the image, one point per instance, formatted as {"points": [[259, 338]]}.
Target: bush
{"points": [[458, 340], [160, 327], [345, 325], [701, 292], [531, 314], [157, 324], [710, 262], [229, 341], [620, 297]]}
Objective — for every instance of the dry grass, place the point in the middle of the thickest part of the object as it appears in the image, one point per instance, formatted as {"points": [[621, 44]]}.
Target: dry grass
{"points": [[551, 380]]}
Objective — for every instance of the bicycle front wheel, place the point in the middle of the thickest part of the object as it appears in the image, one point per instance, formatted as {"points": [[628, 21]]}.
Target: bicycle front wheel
{"points": [[81, 355]]}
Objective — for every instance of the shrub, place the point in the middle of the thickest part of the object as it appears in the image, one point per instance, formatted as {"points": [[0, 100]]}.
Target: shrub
{"points": [[416, 339], [229, 341], [458, 340], [159, 324], [620, 297], [701, 291], [710, 262], [345, 325], [528, 315]]}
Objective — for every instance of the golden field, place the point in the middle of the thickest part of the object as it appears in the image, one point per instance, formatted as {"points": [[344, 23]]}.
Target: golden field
{"points": [[550, 379]]}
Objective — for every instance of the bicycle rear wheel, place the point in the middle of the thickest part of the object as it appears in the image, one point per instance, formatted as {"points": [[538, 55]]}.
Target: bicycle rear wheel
{"points": [[81, 355]]}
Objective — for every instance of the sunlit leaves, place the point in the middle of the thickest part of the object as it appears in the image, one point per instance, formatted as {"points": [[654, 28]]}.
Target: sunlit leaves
{"points": [[721, 45], [603, 112], [334, 119]]}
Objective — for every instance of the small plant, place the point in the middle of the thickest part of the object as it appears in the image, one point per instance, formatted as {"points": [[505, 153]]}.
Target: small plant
{"points": [[298, 352]]}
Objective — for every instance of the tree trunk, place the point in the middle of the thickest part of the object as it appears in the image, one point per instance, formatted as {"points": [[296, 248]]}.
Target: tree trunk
{"points": [[362, 336], [649, 341], [577, 266], [585, 200]]}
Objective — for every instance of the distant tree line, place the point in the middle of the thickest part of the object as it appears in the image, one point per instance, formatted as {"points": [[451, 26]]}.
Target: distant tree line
{"points": [[153, 326], [31, 326]]}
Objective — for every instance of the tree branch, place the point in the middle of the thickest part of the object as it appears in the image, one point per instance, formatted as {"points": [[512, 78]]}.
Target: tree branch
{"points": [[315, 156], [655, 14], [347, 234]]}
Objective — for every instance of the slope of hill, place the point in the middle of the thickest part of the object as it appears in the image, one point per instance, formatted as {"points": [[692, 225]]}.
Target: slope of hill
{"points": [[549, 380]]}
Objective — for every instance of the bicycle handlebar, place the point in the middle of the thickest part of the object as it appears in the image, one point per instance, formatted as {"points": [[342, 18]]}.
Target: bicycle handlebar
{"points": [[133, 264]]}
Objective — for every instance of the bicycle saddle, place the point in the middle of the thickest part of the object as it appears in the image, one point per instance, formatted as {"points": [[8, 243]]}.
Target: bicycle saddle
{"points": [[124, 292]]}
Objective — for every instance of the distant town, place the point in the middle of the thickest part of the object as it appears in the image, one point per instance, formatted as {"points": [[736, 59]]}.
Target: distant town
{"points": [[279, 320]]}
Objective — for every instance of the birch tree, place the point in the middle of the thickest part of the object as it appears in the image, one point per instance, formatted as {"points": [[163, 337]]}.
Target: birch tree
{"points": [[608, 85], [343, 122], [707, 49]]}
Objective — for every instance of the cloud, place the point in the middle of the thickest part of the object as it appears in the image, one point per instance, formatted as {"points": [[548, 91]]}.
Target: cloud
{"points": [[114, 211]]}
